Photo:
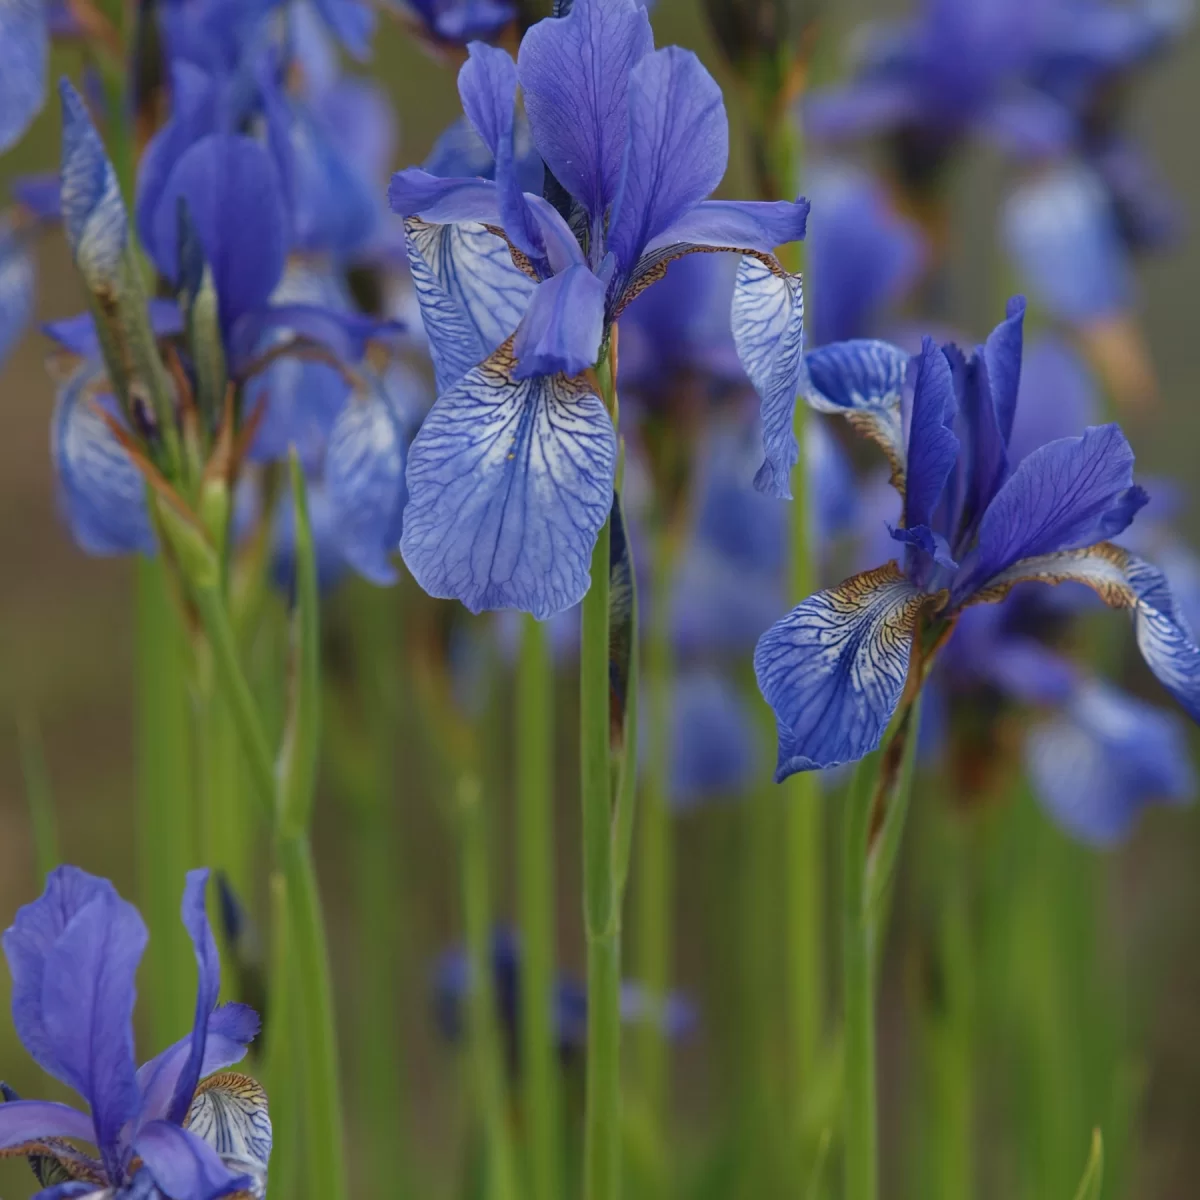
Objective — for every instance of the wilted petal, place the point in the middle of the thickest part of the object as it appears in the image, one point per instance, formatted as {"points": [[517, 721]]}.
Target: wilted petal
{"points": [[24, 51], [768, 328], [575, 73], [864, 382], [1096, 766], [678, 148], [509, 484], [563, 325], [184, 1166], [103, 493], [230, 1114], [834, 668], [16, 286], [472, 296]]}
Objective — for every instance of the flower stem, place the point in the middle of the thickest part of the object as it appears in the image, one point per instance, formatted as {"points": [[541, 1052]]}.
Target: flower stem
{"points": [[862, 1150], [602, 1148], [223, 832], [535, 899]]}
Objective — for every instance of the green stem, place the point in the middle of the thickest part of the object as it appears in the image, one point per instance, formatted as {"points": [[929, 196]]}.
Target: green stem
{"points": [[39, 796], [318, 1083], [858, 977], [166, 825], [535, 902], [282, 1039], [485, 1039], [655, 859], [602, 1133], [223, 826]]}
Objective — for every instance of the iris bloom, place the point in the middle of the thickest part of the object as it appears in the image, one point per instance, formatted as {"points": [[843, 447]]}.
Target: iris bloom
{"points": [[973, 526], [24, 54], [170, 1128], [511, 476]]}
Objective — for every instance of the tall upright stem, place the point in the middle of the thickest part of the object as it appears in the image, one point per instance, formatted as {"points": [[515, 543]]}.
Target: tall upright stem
{"points": [[535, 901]]}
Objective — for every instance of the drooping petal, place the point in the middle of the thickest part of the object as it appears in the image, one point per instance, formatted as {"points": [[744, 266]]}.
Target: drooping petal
{"points": [[509, 483], [768, 328], [87, 998], [563, 325], [472, 296], [834, 668], [414, 192], [233, 194], [230, 1114], [864, 382], [24, 52], [93, 213], [678, 149], [364, 476], [1107, 756], [575, 71], [185, 1166], [24, 1121], [1066, 495], [103, 494], [736, 225], [714, 742], [932, 445], [16, 288]]}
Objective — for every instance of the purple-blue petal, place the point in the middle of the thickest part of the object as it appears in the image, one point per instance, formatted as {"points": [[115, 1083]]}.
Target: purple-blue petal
{"points": [[858, 110], [184, 1166], [575, 71], [932, 446], [24, 54], [760, 225], [834, 668], [509, 484], [352, 22], [35, 1120], [39, 194], [16, 287], [1058, 397], [563, 325], [414, 192], [78, 334], [1002, 362]]}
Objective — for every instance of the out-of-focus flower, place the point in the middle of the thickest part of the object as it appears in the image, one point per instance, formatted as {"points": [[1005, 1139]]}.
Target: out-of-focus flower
{"points": [[452, 25], [974, 525], [179, 1126], [511, 476], [714, 740], [16, 285], [24, 54]]}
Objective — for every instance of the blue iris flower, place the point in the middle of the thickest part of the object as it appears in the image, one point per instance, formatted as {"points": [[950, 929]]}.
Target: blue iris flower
{"points": [[956, 69], [449, 24], [973, 526], [171, 1128], [511, 476]]}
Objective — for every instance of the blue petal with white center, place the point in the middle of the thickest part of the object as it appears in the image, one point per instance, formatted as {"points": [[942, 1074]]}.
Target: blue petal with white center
{"points": [[103, 494], [93, 213], [471, 294], [834, 668], [509, 484], [16, 287], [24, 51], [1104, 759]]}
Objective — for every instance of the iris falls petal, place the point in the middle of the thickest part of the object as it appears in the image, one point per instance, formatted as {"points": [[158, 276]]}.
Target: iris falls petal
{"points": [[230, 1114], [834, 668], [509, 484]]}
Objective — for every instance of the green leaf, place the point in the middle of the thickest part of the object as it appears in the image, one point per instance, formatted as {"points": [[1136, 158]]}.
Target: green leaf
{"points": [[1093, 1173], [38, 795]]}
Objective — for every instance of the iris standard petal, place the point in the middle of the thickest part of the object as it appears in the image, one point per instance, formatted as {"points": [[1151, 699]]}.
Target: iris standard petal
{"points": [[87, 1013], [767, 319], [563, 325], [364, 477], [16, 286], [93, 213], [24, 1121], [863, 381], [574, 72], [1107, 756], [1066, 495], [472, 296], [932, 445], [834, 668], [509, 482], [24, 51], [232, 191], [230, 1114], [678, 149], [103, 494], [1002, 360], [184, 1166]]}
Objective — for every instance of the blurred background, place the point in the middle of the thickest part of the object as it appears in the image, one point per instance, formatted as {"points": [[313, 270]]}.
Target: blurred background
{"points": [[66, 663]]}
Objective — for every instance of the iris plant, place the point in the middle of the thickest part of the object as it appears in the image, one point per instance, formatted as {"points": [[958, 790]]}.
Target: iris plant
{"points": [[511, 476], [179, 1126], [974, 525]]}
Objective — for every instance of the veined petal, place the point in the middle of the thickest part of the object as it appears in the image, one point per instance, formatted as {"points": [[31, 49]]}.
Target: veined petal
{"points": [[834, 668], [230, 1114], [678, 148], [509, 482], [364, 477], [1002, 362], [103, 494], [863, 381], [1066, 495], [16, 287], [574, 71], [184, 1166], [25, 43], [563, 325], [932, 445], [1122, 580], [767, 319], [93, 213], [23, 1121], [413, 192], [1096, 766], [472, 296]]}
